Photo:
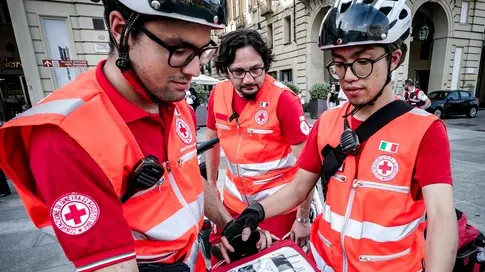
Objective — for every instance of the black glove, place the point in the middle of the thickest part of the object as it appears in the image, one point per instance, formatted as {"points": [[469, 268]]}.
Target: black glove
{"points": [[250, 217]]}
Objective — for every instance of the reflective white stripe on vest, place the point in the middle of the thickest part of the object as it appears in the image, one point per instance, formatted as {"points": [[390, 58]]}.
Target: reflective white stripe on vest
{"points": [[194, 253], [321, 264], [260, 131], [177, 224], [221, 126], [231, 188], [420, 112], [258, 169], [194, 211], [378, 233], [187, 157], [61, 106]]}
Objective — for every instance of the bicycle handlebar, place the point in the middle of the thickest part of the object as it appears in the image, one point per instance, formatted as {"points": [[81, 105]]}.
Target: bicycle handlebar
{"points": [[204, 146]]}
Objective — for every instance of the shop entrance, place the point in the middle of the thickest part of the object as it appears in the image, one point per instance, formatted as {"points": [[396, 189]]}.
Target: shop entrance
{"points": [[14, 97]]}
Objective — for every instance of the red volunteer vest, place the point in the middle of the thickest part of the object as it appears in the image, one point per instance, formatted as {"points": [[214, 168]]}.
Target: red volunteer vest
{"points": [[260, 160], [166, 218], [371, 221]]}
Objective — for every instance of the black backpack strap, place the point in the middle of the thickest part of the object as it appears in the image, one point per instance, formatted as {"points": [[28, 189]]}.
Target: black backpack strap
{"points": [[381, 118], [334, 157]]}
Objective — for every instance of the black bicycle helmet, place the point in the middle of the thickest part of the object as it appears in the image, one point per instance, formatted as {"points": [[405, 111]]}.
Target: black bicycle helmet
{"points": [[362, 22]]}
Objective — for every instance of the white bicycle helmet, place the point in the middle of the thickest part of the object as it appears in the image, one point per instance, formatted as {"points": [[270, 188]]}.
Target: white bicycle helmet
{"points": [[205, 12], [360, 22]]}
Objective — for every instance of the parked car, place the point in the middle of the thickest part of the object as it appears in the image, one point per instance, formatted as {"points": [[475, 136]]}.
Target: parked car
{"points": [[446, 103]]}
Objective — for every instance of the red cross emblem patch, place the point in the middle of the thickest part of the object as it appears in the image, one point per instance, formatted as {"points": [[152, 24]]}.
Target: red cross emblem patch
{"points": [[385, 168], [261, 117], [305, 129], [183, 131], [74, 213]]}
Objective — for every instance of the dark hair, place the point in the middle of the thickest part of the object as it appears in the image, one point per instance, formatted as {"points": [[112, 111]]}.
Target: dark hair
{"points": [[237, 39], [409, 82], [115, 5], [400, 44]]}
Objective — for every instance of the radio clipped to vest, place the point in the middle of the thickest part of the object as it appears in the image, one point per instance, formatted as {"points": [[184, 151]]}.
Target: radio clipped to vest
{"points": [[146, 174], [350, 141]]}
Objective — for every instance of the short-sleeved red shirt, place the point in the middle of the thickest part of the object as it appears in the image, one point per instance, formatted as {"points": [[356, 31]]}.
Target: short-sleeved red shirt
{"points": [[60, 166], [289, 110], [434, 153]]}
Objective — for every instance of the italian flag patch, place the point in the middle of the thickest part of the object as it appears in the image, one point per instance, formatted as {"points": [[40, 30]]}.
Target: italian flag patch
{"points": [[264, 104], [388, 146]]}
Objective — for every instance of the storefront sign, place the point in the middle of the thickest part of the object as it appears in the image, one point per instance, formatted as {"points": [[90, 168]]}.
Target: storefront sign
{"points": [[65, 63], [101, 48], [9, 63]]}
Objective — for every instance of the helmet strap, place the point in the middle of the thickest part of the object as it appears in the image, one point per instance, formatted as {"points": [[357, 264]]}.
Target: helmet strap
{"points": [[123, 61]]}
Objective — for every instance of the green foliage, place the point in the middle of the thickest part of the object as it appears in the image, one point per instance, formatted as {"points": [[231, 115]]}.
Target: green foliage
{"points": [[320, 91], [292, 87], [201, 91]]}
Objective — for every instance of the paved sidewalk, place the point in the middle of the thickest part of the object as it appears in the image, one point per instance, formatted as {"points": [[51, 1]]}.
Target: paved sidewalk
{"points": [[24, 248]]}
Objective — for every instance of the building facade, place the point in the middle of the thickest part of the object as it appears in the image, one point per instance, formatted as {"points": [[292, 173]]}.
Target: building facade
{"points": [[32, 31], [61, 31], [445, 47]]}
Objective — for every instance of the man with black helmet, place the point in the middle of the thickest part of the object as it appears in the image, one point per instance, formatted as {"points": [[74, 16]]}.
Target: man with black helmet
{"points": [[109, 163], [379, 195]]}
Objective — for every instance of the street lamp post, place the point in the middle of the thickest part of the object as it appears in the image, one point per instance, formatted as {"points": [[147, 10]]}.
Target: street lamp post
{"points": [[423, 33]]}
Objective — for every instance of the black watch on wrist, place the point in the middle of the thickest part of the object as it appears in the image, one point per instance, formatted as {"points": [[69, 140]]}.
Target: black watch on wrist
{"points": [[258, 208]]}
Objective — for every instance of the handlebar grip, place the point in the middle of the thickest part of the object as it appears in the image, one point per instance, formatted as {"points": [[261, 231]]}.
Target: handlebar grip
{"points": [[204, 146]]}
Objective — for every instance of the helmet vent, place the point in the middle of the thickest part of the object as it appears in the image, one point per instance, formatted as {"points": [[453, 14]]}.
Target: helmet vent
{"points": [[392, 24], [345, 6], [368, 2], [386, 10], [403, 14]]}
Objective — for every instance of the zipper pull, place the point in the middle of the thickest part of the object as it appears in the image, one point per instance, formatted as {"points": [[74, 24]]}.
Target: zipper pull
{"points": [[167, 165], [356, 183]]}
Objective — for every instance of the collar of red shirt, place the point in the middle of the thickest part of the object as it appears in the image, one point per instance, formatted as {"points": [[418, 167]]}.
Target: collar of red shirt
{"points": [[128, 111]]}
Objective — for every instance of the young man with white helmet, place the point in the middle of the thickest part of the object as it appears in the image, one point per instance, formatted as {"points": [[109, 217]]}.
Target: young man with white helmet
{"points": [[378, 199], [109, 163]]}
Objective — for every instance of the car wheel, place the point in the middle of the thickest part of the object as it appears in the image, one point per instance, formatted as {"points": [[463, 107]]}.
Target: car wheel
{"points": [[472, 112], [438, 113]]}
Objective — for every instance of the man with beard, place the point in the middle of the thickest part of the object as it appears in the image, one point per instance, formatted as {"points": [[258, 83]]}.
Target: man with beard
{"points": [[380, 187], [262, 130]]}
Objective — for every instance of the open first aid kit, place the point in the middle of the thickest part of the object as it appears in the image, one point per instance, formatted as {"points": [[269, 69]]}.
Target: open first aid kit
{"points": [[281, 256]]}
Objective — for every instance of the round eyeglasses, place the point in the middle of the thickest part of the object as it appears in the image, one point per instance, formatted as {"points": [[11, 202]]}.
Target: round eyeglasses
{"points": [[361, 68]]}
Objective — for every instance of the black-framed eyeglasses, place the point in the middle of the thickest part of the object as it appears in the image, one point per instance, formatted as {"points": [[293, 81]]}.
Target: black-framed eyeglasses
{"points": [[180, 56], [240, 73], [362, 68]]}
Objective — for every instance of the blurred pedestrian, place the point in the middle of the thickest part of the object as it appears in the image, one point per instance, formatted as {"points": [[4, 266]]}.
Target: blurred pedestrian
{"points": [[332, 97]]}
